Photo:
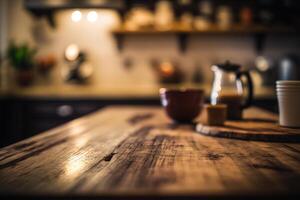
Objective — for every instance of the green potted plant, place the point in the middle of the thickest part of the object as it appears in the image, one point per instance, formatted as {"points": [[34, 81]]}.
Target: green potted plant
{"points": [[21, 57]]}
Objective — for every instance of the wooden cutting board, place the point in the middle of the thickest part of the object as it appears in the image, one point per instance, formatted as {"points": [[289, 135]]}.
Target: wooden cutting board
{"points": [[260, 128]]}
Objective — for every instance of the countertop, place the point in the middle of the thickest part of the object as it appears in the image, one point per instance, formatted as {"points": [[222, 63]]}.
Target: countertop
{"points": [[137, 152], [112, 92]]}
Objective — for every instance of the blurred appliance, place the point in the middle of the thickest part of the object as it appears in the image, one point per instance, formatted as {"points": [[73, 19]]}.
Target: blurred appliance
{"points": [[289, 68], [79, 69]]}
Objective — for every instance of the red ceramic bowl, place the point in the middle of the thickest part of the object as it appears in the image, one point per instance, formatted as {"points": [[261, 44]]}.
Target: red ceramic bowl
{"points": [[182, 106]]}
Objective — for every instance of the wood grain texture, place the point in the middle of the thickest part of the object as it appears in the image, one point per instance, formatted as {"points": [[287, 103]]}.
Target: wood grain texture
{"points": [[260, 128], [132, 151]]}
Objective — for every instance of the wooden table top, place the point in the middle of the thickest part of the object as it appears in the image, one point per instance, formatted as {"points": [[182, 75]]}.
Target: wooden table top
{"points": [[137, 151]]}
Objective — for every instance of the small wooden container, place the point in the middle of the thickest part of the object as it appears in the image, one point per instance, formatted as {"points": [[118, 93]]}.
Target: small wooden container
{"points": [[216, 114]]}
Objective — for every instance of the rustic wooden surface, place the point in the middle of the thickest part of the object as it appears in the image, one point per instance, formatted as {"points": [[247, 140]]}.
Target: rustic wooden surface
{"points": [[132, 151], [257, 129]]}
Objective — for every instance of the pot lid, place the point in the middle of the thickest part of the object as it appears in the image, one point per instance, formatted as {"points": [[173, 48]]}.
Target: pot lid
{"points": [[228, 66]]}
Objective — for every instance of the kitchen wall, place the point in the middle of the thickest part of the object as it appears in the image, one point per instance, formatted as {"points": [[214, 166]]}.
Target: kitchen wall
{"points": [[95, 38], [3, 40]]}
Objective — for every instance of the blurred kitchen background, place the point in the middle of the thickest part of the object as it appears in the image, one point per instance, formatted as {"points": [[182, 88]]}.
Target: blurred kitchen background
{"points": [[61, 59]]}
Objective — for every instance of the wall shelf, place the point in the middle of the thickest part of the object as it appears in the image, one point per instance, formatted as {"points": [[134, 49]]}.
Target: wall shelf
{"points": [[259, 33]]}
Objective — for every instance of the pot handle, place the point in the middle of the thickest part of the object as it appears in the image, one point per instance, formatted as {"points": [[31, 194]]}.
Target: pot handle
{"points": [[249, 81]]}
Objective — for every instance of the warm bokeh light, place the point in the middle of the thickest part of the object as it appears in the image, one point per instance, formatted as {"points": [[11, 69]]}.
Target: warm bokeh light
{"points": [[72, 52], [86, 69], [262, 63], [92, 16], [167, 68], [76, 16]]}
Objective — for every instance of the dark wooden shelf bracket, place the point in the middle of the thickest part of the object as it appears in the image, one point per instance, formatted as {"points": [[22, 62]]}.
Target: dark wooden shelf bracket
{"points": [[120, 41], [182, 41], [259, 42]]}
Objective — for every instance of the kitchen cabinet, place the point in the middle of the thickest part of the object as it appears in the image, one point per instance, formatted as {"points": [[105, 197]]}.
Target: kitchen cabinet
{"points": [[136, 152], [22, 117]]}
